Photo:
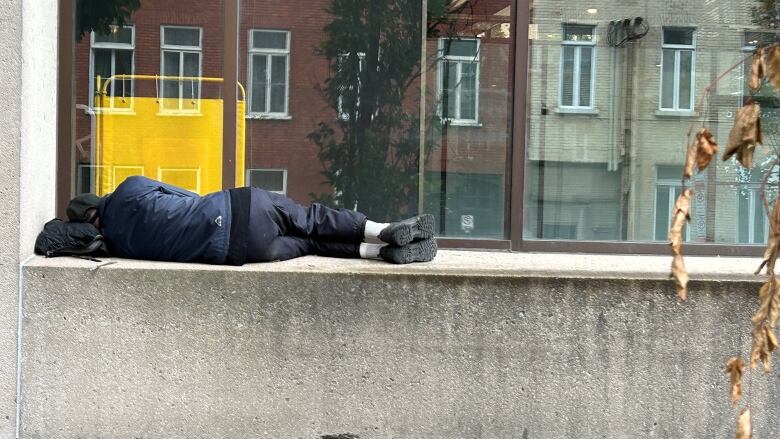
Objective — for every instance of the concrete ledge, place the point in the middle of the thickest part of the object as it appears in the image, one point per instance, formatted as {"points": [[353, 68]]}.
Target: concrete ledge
{"points": [[466, 263], [478, 345]]}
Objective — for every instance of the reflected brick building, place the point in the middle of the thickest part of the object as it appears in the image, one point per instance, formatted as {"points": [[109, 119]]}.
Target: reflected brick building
{"points": [[283, 76]]}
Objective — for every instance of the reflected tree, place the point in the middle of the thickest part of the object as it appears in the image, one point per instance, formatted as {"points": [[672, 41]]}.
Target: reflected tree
{"points": [[101, 15], [371, 151]]}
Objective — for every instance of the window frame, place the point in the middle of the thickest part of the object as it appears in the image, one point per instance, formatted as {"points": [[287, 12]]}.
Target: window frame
{"points": [[248, 178], [672, 186], [459, 59], [181, 49], [269, 53], [576, 74], [113, 47], [753, 199], [678, 49], [522, 25]]}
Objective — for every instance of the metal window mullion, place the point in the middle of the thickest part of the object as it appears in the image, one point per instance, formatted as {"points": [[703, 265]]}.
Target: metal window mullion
{"points": [[676, 86], [458, 87], [250, 82], [575, 90], [113, 83], [672, 199], [592, 100], [181, 82], [752, 216], [268, 63], [287, 85], [692, 85]]}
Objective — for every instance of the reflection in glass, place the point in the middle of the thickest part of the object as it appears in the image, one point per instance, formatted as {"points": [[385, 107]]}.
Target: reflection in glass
{"points": [[612, 171], [168, 129], [358, 110]]}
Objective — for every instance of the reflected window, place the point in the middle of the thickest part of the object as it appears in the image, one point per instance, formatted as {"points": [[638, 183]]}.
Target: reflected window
{"points": [[272, 180], [578, 59], [269, 65], [667, 189], [181, 56], [459, 80], [752, 225], [678, 61], [111, 55], [350, 69]]}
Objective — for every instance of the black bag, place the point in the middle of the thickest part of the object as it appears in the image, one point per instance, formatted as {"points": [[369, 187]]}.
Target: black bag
{"points": [[60, 238]]}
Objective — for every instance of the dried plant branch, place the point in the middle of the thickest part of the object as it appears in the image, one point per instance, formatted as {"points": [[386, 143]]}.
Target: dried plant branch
{"points": [[745, 134], [744, 425], [700, 152], [735, 367], [680, 216]]}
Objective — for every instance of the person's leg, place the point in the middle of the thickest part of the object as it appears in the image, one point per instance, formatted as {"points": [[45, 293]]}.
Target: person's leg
{"points": [[319, 222], [288, 247], [281, 248]]}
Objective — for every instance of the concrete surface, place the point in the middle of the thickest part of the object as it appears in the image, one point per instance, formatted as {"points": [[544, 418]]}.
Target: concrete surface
{"points": [[10, 135], [473, 345]]}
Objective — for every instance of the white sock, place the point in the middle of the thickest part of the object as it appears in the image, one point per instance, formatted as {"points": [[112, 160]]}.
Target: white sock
{"points": [[370, 251], [373, 229]]}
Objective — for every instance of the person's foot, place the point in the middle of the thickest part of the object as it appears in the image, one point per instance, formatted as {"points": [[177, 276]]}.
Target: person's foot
{"points": [[406, 231], [419, 251]]}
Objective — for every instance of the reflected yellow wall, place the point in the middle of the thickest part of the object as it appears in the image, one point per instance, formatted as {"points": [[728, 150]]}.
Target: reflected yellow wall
{"points": [[143, 136]]}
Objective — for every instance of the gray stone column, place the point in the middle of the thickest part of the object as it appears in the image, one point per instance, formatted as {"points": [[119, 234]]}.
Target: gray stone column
{"points": [[28, 62]]}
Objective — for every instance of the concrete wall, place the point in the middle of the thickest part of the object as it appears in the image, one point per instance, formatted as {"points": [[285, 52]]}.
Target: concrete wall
{"points": [[10, 127], [522, 346]]}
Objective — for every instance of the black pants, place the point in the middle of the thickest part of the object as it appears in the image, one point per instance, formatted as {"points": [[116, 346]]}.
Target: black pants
{"points": [[280, 229]]}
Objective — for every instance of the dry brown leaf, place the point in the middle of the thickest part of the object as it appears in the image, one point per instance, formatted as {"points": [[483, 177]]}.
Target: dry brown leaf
{"points": [[772, 244], [735, 367], [764, 299], [690, 159], [774, 304], [771, 339], [680, 215], [744, 425], [700, 152], [757, 70], [772, 65], [680, 277], [758, 348], [745, 134], [764, 342]]}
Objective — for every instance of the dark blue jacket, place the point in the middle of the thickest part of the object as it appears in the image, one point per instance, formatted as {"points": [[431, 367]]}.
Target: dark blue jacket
{"points": [[147, 219]]}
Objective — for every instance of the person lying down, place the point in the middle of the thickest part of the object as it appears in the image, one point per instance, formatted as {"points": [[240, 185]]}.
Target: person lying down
{"points": [[148, 219]]}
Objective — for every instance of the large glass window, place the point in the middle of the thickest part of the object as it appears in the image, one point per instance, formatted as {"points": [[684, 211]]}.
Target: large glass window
{"points": [[181, 56], [678, 67], [578, 59], [393, 109], [110, 55], [269, 55]]}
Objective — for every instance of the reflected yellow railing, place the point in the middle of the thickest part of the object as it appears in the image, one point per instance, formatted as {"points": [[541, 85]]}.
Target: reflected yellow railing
{"points": [[177, 140]]}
